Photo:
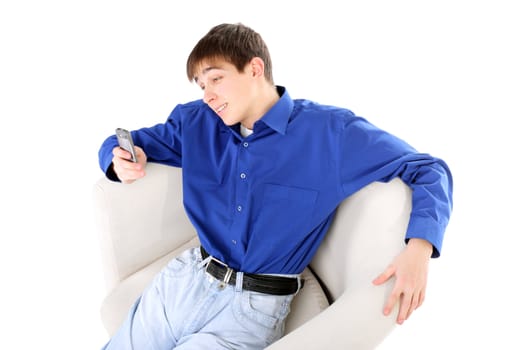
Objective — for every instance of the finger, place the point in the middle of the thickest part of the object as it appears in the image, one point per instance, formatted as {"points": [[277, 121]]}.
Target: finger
{"points": [[125, 155], [385, 275], [122, 159], [417, 300], [119, 152], [413, 306], [404, 308], [391, 302], [409, 305], [123, 167], [122, 153], [421, 299], [127, 171]]}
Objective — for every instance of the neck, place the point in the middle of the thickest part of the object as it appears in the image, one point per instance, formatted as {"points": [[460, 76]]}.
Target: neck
{"points": [[266, 98]]}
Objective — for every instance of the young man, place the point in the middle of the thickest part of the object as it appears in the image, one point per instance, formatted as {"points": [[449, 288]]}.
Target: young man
{"points": [[262, 177]]}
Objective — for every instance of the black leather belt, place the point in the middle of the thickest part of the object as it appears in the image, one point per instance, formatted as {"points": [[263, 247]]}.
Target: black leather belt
{"points": [[275, 285]]}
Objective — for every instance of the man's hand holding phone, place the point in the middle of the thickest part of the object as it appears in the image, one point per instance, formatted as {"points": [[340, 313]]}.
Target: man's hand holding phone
{"points": [[129, 161]]}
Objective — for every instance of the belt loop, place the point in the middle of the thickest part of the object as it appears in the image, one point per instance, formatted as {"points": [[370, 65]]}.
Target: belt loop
{"points": [[204, 262], [238, 281], [299, 284]]}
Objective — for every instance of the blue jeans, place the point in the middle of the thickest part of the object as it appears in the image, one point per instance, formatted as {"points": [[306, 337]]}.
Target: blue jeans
{"points": [[185, 308]]}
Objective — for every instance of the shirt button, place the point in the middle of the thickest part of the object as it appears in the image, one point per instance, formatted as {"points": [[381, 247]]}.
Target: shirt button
{"points": [[239, 208], [245, 144], [234, 241], [243, 176]]}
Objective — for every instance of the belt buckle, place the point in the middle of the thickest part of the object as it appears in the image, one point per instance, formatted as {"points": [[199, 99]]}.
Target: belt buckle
{"points": [[229, 272]]}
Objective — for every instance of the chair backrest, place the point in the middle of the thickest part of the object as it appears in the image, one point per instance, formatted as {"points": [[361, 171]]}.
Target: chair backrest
{"points": [[367, 233], [132, 244]]}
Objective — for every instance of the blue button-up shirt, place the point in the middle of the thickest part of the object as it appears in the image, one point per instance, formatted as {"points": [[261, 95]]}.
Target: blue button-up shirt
{"points": [[262, 204]]}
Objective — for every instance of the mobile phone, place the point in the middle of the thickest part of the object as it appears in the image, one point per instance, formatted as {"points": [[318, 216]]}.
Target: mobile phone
{"points": [[125, 142]]}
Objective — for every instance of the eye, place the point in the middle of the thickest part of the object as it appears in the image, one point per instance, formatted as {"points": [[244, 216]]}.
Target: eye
{"points": [[216, 79]]}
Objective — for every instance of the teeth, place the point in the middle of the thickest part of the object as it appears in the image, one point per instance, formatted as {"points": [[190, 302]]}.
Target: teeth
{"points": [[222, 107]]}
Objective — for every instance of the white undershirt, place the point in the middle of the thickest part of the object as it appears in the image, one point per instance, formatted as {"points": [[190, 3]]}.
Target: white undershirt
{"points": [[245, 132]]}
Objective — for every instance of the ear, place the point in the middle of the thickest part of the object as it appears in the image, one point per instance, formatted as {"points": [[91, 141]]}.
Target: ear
{"points": [[256, 67]]}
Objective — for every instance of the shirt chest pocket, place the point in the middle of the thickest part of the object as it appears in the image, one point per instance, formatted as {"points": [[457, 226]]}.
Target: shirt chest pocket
{"points": [[286, 206], [278, 193]]}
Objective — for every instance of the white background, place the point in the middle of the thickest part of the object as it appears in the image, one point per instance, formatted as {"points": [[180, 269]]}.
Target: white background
{"points": [[446, 76]]}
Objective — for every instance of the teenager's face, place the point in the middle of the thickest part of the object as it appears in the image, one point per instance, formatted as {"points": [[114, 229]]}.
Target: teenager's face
{"points": [[228, 92]]}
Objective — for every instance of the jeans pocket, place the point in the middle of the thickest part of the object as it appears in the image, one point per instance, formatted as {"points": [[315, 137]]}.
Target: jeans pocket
{"points": [[262, 314], [182, 264]]}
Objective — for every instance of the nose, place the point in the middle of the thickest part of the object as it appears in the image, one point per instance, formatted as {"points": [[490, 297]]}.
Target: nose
{"points": [[209, 96]]}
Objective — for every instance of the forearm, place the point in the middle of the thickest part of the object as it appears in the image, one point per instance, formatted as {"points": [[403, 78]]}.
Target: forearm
{"points": [[105, 156]]}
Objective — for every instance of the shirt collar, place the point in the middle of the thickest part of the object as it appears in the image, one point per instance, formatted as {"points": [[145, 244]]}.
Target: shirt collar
{"points": [[278, 116]]}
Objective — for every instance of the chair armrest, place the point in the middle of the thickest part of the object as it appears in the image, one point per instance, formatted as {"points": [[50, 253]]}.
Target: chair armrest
{"points": [[353, 321], [140, 222], [368, 232]]}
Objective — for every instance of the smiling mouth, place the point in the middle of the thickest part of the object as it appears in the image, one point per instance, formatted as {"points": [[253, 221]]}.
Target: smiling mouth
{"points": [[221, 108]]}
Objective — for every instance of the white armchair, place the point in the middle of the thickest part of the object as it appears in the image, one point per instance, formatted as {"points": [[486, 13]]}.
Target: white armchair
{"points": [[143, 225]]}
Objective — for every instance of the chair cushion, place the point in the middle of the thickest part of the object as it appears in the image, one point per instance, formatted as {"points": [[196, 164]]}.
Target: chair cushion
{"points": [[310, 301]]}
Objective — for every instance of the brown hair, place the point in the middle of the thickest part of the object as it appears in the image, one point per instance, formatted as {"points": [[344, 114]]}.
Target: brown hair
{"points": [[235, 43]]}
